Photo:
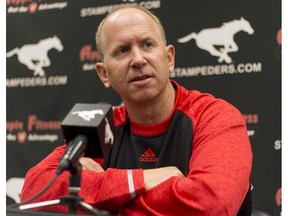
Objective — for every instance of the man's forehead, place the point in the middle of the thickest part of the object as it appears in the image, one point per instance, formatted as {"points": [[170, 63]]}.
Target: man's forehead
{"points": [[127, 15], [123, 21]]}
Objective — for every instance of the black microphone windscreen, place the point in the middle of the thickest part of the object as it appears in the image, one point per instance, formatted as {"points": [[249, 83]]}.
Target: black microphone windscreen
{"points": [[96, 121]]}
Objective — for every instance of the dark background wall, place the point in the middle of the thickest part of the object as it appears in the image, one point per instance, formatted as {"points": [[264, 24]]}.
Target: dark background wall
{"points": [[38, 98]]}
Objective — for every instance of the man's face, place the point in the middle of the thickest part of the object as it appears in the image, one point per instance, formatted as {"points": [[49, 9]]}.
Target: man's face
{"points": [[136, 60]]}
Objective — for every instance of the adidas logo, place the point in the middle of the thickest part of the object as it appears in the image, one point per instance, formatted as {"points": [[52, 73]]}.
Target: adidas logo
{"points": [[148, 156]]}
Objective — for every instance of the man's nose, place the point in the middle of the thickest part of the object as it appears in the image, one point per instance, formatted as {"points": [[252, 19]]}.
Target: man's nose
{"points": [[138, 58]]}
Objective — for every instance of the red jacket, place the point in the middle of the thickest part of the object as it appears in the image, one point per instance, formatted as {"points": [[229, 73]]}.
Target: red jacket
{"points": [[216, 184]]}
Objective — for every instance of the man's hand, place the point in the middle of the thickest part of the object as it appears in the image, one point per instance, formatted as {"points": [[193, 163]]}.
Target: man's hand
{"points": [[153, 177], [89, 164]]}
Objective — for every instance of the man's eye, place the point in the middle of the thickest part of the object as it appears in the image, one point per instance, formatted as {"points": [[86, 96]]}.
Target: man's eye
{"points": [[122, 50], [148, 44]]}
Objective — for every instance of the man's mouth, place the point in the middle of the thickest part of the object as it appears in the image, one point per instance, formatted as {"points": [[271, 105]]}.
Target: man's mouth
{"points": [[140, 78]]}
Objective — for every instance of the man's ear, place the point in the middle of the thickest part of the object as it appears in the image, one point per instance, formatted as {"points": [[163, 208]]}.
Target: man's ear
{"points": [[171, 57], [102, 73]]}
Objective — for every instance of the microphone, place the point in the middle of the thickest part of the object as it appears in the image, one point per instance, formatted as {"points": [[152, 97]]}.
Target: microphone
{"points": [[89, 130]]}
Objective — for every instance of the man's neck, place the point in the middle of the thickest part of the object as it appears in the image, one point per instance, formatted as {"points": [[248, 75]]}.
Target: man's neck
{"points": [[155, 111]]}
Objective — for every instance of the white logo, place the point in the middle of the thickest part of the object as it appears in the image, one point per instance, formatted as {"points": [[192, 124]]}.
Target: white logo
{"points": [[35, 56], [88, 115], [109, 138], [14, 188], [223, 36]]}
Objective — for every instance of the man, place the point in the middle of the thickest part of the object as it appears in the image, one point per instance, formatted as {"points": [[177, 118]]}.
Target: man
{"points": [[177, 152]]}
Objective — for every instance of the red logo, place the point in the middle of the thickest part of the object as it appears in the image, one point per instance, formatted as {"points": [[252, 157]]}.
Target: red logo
{"points": [[278, 197], [21, 135], [148, 156], [33, 7], [279, 36]]}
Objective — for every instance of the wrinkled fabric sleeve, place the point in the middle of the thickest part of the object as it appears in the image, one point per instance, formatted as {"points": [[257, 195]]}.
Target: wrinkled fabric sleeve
{"points": [[107, 190]]}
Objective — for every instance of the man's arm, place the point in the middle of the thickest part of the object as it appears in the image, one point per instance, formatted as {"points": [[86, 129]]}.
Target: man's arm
{"points": [[109, 190], [152, 177]]}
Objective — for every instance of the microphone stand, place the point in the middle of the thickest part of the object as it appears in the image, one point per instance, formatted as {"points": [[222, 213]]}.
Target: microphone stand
{"points": [[72, 200]]}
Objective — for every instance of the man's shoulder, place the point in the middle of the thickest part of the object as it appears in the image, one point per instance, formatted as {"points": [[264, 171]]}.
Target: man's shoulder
{"points": [[194, 102]]}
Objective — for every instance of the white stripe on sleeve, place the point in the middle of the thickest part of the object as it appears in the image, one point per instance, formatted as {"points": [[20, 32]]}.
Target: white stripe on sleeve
{"points": [[131, 184]]}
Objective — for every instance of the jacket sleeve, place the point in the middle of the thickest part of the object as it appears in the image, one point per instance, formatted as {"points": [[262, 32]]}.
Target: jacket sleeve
{"points": [[107, 190], [219, 170]]}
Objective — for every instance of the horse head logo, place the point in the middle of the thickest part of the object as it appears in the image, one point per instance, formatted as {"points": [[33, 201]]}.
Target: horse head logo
{"points": [[223, 36], [35, 56], [88, 115]]}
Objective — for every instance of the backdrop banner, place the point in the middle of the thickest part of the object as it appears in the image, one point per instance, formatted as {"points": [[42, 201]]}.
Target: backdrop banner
{"points": [[231, 49]]}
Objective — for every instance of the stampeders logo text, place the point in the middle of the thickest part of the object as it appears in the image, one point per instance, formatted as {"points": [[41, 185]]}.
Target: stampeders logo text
{"points": [[102, 10], [35, 58], [219, 42]]}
